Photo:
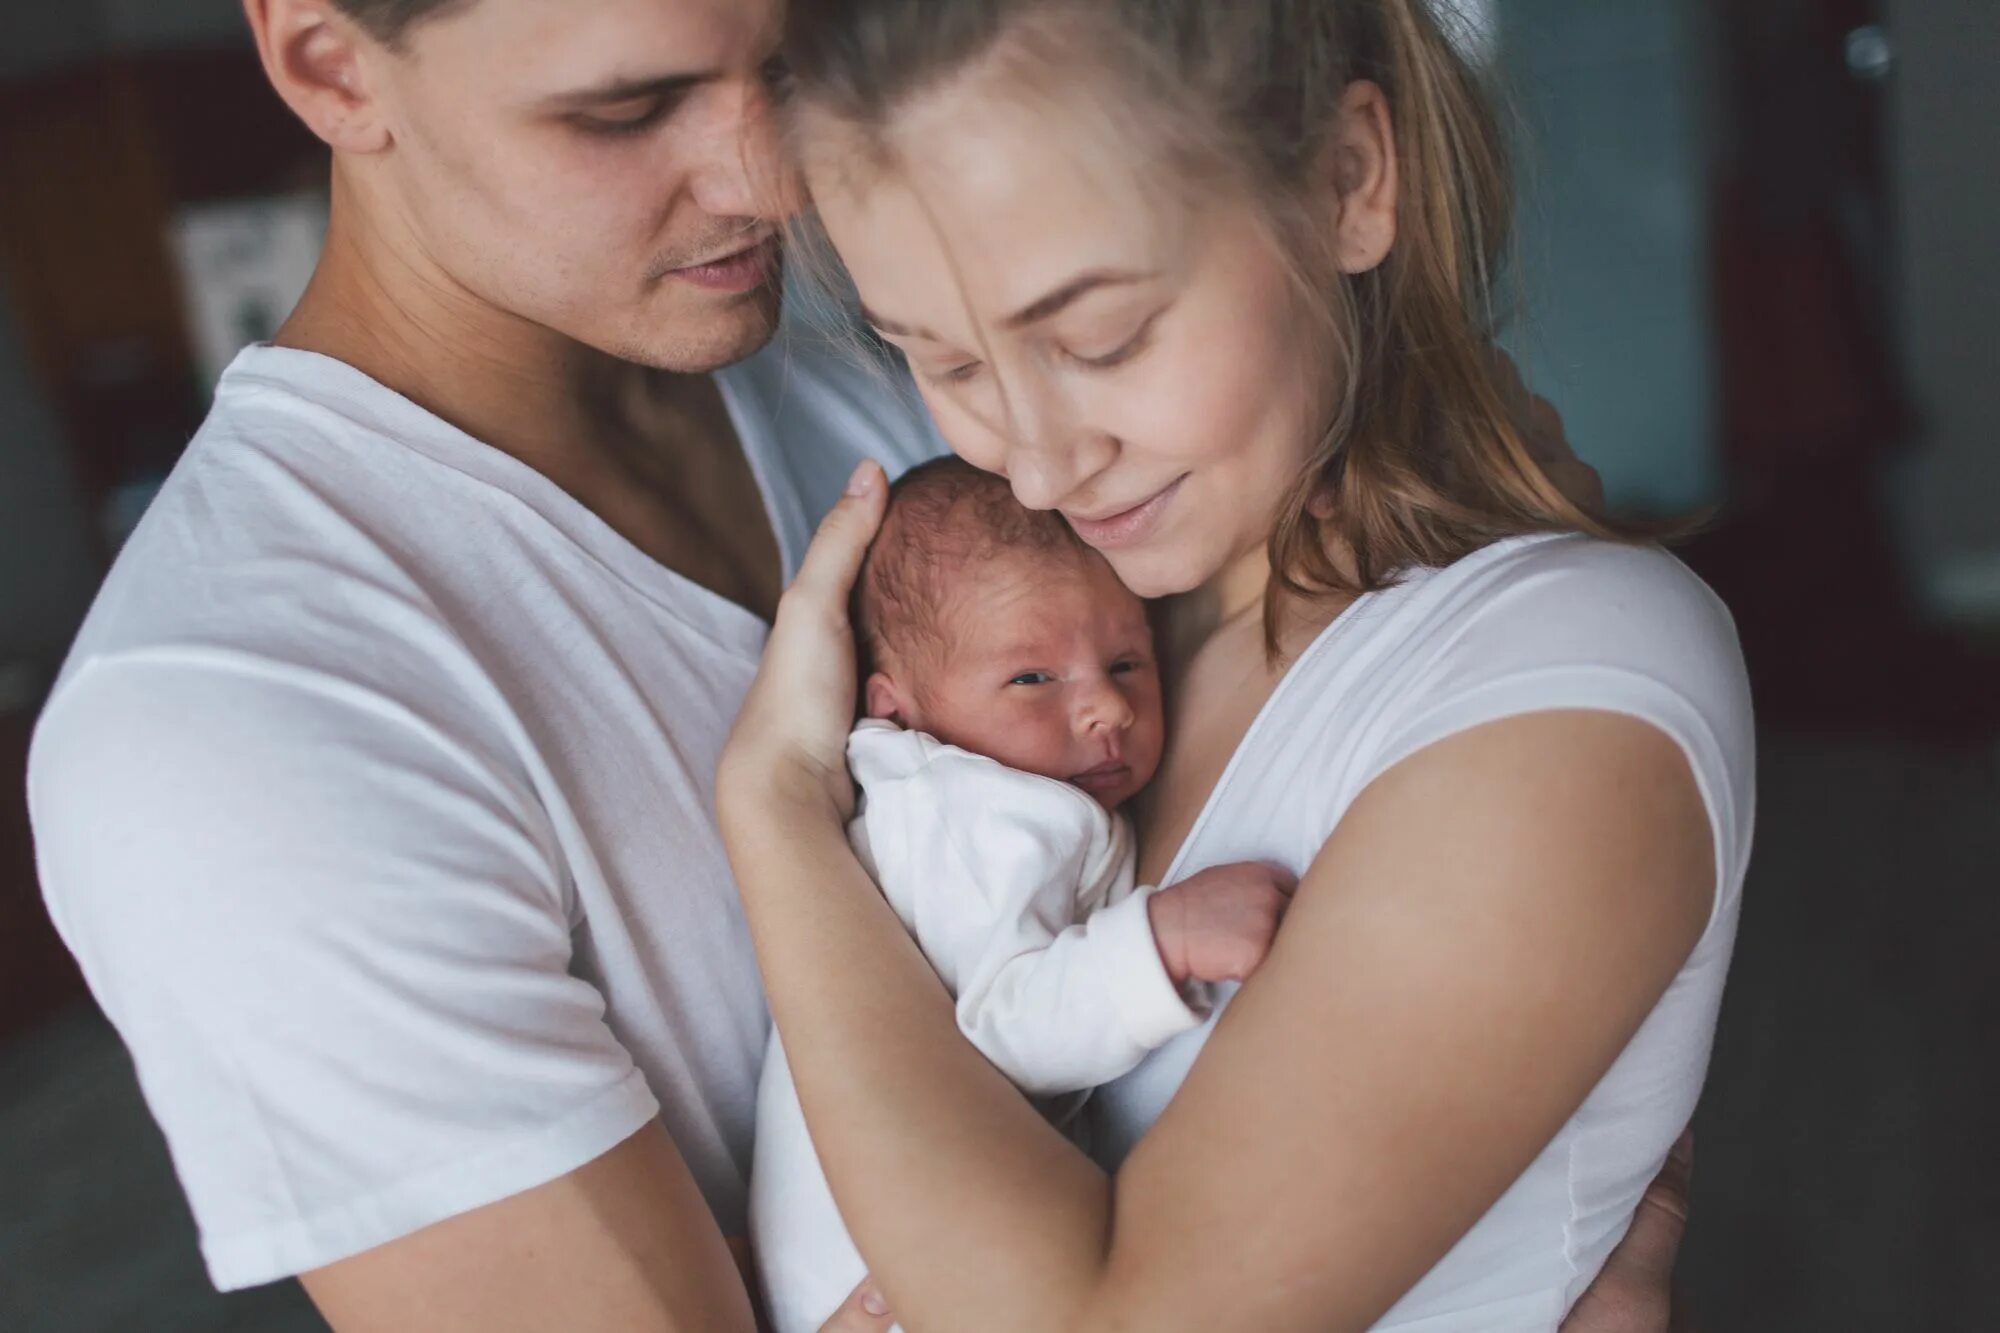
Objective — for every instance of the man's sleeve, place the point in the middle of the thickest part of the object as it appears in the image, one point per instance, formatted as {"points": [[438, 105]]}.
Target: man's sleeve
{"points": [[336, 937]]}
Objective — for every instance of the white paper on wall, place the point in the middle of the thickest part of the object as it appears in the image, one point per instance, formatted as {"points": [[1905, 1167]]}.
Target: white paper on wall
{"points": [[244, 265]]}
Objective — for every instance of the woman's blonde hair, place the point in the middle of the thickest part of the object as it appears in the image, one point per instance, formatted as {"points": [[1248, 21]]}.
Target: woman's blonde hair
{"points": [[1423, 459]]}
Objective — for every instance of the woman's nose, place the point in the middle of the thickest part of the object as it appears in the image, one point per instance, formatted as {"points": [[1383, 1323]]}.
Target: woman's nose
{"points": [[1052, 450]]}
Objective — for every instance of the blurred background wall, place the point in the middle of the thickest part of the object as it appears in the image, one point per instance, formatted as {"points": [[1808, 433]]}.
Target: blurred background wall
{"points": [[1944, 108], [1757, 273]]}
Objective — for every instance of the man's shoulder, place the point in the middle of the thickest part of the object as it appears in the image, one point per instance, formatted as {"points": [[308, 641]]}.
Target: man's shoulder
{"points": [[289, 532]]}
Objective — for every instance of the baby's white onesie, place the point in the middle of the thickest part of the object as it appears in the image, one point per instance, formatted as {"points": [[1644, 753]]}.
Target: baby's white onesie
{"points": [[1019, 889]]}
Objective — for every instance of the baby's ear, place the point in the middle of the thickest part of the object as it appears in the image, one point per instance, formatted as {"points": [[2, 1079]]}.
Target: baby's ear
{"points": [[884, 699]]}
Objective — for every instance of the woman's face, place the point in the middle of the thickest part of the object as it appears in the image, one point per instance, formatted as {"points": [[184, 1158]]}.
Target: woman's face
{"points": [[1143, 368]]}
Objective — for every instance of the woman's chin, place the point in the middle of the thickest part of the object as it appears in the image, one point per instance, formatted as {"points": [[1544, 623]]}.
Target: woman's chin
{"points": [[1156, 572]]}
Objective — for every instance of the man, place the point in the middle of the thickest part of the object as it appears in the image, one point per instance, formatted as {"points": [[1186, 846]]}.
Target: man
{"points": [[375, 797]]}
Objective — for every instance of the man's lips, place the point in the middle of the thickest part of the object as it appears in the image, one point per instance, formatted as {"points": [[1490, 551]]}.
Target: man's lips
{"points": [[738, 270], [1123, 527]]}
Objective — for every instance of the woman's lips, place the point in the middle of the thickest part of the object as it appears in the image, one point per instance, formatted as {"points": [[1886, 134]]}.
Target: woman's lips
{"points": [[1126, 527], [738, 272]]}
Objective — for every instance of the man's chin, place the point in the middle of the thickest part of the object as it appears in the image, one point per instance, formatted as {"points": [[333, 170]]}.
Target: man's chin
{"points": [[703, 335]]}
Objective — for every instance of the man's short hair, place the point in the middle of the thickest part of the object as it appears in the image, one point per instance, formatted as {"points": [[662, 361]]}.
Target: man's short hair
{"points": [[389, 21]]}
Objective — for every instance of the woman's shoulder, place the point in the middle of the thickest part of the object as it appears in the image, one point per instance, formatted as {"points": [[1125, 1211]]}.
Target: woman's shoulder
{"points": [[1570, 603], [1550, 623]]}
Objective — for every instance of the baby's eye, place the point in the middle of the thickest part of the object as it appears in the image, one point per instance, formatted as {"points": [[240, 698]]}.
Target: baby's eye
{"points": [[1125, 666], [1032, 678]]}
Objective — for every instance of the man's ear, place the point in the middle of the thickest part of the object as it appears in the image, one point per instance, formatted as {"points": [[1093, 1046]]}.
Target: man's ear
{"points": [[319, 60], [887, 700], [1362, 178]]}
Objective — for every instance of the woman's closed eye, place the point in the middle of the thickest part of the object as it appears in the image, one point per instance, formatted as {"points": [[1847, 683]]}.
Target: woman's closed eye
{"points": [[1125, 351], [957, 374]]}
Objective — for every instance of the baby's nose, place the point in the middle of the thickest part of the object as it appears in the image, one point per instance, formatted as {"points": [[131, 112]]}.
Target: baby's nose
{"points": [[1105, 709]]}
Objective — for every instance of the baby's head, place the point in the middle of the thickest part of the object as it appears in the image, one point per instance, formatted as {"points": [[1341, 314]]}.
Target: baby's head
{"points": [[994, 629]]}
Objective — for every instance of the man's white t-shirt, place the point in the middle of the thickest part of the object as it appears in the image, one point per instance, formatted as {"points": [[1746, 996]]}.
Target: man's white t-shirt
{"points": [[376, 801]]}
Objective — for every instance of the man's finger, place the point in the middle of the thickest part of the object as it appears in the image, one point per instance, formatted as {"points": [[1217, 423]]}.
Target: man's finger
{"points": [[834, 559], [1654, 1240], [864, 1311]]}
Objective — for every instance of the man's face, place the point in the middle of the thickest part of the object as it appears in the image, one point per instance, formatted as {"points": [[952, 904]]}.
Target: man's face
{"points": [[601, 168]]}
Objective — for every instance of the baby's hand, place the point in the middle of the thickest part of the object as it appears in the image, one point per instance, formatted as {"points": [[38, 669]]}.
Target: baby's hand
{"points": [[1217, 925]]}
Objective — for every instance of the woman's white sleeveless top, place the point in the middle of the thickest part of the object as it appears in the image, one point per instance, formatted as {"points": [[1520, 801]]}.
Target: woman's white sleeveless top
{"points": [[1523, 626]]}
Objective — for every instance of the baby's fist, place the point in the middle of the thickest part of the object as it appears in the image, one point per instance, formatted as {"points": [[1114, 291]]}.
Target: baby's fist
{"points": [[1217, 924]]}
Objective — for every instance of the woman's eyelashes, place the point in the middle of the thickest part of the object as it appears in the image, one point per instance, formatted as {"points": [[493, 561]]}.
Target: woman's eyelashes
{"points": [[1137, 342], [1140, 339]]}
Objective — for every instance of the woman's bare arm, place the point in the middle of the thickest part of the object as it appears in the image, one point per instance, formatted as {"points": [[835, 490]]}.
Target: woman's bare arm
{"points": [[1443, 996], [1445, 993]]}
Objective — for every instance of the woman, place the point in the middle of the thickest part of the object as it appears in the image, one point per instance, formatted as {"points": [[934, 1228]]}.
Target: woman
{"points": [[1210, 279]]}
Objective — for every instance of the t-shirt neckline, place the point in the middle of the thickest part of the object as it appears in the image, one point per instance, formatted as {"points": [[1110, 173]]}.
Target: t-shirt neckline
{"points": [[398, 418]]}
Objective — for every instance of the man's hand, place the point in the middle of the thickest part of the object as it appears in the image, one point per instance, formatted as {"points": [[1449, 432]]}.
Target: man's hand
{"points": [[1634, 1291], [1217, 924], [863, 1312]]}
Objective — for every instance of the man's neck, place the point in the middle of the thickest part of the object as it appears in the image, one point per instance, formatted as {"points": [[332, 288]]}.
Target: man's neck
{"points": [[650, 452], [501, 379]]}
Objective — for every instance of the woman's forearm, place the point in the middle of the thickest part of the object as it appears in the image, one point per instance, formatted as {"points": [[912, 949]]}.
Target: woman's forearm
{"points": [[972, 1211]]}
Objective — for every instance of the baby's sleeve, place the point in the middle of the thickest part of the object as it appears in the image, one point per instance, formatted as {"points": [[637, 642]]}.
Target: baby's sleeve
{"points": [[988, 869]]}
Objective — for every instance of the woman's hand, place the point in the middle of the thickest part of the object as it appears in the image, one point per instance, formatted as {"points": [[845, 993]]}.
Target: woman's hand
{"points": [[788, 749]]}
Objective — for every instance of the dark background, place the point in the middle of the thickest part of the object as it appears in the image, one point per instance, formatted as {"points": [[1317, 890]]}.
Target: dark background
{"points": [[1760, 270]]}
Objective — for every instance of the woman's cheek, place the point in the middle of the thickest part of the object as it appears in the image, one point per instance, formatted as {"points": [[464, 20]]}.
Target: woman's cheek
{"points": [[969, 437]]}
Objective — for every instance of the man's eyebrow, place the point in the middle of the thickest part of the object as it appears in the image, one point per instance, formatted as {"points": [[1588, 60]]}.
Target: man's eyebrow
{"points": [[628, 89], [1034, 312]]}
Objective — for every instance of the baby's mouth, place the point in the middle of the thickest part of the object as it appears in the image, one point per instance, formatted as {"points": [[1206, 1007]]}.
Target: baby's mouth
{"points": [[1105, 777]]}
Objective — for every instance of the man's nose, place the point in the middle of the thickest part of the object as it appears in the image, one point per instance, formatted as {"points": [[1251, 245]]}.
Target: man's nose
{"points": [[740, 171]]}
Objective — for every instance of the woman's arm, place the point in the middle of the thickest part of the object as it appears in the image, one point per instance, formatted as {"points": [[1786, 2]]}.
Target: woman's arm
{"points": [[1433, 1011]]}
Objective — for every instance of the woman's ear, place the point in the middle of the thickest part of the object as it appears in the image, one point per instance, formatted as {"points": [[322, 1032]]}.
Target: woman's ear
{"points": [[885, 699], [319, 61], [1360, 169]]}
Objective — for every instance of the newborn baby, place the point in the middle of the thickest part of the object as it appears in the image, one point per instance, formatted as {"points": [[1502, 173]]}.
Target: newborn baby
{"points": [[1013, 705]]}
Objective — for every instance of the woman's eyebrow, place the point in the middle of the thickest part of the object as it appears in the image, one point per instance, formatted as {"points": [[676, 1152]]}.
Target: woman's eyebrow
{"points": [[1061, 298], [893, 329], [1035, 311]]}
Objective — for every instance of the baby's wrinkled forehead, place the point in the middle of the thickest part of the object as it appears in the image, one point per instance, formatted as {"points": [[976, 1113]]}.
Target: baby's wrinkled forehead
{"points": [[956, 544]]}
